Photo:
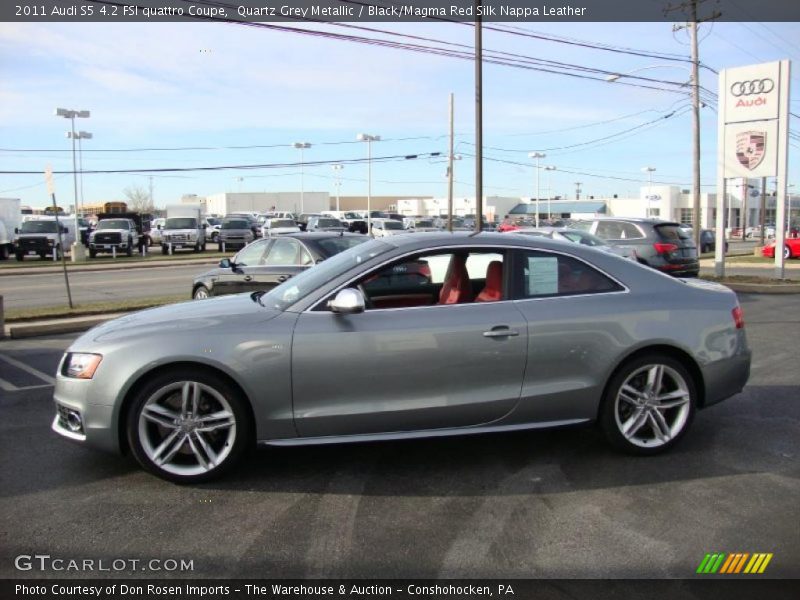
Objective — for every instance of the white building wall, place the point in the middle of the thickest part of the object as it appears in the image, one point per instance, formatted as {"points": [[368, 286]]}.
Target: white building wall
{"points": [[227, 202]]}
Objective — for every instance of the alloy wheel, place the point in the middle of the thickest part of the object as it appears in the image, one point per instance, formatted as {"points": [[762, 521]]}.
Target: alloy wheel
{"points": [[186, 428], [652, 406]]}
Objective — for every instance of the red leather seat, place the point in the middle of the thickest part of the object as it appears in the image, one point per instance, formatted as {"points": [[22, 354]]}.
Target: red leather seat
{"points": [[493, 290], [456, 288]]}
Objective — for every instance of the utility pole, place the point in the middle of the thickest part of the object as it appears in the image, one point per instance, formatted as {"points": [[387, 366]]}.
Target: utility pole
{"points": [[578, 190], [152, 203], [450, 171], [763, 207], [691, 6]]}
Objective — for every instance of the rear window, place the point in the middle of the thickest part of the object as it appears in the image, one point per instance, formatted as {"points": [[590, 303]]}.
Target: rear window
{"points": [[672, 232], [340, 244], [392, 225], [282, 223], [329, 223], [243, 224]]}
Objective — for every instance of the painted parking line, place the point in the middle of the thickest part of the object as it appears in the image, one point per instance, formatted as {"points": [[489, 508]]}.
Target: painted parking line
{"points": [[10, 387]]}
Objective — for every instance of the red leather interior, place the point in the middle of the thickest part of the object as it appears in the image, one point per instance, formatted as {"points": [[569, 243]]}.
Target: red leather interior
{"points": [[493, 290], [456, 288]]}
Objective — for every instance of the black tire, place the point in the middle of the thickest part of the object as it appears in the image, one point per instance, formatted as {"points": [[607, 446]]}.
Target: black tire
{"points": [[203, 247], [4, 252], [214, 237], [129, 249], [617, 411], [20, 256], [228, 442], [196, 247], [164, 249], [43, 255], [787, 252], [92, 253]]}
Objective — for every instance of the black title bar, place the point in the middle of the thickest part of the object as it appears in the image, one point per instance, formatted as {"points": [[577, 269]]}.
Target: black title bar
{"points": [[510, 11]]}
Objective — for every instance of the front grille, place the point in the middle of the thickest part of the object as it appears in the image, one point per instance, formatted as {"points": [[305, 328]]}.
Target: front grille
{"points": [[107, 238], [178, 237], [33, 243]]}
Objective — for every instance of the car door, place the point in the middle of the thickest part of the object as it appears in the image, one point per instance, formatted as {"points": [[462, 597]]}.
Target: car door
{"points": [[234, 280], [285, 258], [574, 312], [408, 368]]}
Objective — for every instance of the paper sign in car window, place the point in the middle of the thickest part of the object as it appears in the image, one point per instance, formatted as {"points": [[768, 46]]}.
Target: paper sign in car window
{"points": [[543, 275]]}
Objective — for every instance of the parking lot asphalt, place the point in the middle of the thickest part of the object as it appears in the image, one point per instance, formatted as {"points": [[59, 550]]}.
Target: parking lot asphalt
{"points": [[555, 503]]}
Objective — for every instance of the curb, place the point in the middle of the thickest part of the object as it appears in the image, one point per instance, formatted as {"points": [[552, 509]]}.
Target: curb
{"points": [[71, 268], [764, 288], [56, 326]]}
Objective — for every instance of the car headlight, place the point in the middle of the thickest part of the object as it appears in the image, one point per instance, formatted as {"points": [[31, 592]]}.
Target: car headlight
{"points": [[80, 365]]}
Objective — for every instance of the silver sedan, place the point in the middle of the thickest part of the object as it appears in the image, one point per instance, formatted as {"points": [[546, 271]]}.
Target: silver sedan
{"points": [[470, 334]]}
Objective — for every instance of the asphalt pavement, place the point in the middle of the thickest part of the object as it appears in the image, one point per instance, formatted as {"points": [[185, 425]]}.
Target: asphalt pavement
{"points": [[551, 504]]}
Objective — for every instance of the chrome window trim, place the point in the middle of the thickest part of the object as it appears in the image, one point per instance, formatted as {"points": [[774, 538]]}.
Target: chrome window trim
{"points": [[313, 308]]}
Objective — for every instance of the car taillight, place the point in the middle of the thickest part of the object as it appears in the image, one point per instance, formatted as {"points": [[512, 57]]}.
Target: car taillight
{"points": [[664, 248], [738, 317]]}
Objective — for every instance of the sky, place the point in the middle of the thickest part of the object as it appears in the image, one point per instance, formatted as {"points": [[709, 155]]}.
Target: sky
{"points": [[217, 85]]}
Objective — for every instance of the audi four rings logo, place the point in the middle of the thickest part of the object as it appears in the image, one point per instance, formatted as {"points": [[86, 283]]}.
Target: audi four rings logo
{"points": [[751, 88]]}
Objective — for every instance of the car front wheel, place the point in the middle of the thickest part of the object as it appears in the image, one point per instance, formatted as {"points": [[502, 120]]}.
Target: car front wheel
{"points": [[187, 427], [649, 405], [201, 293], [787, 252]]}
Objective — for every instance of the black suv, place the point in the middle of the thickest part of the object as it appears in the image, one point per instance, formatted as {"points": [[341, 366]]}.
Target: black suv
{"points": [[662, 245]]}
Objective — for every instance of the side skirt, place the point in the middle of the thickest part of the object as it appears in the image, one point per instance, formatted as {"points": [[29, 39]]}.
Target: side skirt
{"points": [[405, 435]]}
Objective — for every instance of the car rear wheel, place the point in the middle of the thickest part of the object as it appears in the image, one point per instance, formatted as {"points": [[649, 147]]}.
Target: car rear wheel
{"points": [[649, 405], [201, 293], [187, 427]]}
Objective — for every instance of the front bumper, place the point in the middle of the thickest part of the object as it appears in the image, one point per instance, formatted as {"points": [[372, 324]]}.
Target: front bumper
{"points": [[99, 422]]}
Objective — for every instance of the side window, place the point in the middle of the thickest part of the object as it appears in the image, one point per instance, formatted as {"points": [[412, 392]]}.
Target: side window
{"points": [[542, 275], [609, 230], [282, 252], [433, 279], [305, 256], [252, 255], [630, 231]]}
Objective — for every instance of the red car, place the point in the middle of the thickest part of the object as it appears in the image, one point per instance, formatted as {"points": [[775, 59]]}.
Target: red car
{"points": [[791, 248]]}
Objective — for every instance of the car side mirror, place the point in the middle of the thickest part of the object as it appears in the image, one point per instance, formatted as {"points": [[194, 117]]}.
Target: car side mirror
{"points": [[16, 229], [64, 230], [226, 263], [205, 225], [348, 301], [159, 226]]}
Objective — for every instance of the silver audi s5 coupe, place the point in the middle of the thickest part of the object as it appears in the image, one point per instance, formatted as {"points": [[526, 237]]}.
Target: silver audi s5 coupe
{"points": [[467, 334]]}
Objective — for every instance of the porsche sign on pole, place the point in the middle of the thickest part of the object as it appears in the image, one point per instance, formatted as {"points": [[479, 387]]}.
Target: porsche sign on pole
{"points": [[753, 139]]}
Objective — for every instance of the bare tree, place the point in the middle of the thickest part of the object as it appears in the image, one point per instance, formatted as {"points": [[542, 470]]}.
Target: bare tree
{"points": [[138, 199]]}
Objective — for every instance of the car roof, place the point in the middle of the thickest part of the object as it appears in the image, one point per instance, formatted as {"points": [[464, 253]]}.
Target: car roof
{"points": [[643, 220], [484, 238]]}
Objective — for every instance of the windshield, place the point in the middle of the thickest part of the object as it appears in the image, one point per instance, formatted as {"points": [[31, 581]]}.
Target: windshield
{"points": [[235, 224], [392, 224], [39, 227], [180, 223], [213, 220], [424, 224], [352, 215], [306, 282], [113, 224], [282, 223], [329, 223]]}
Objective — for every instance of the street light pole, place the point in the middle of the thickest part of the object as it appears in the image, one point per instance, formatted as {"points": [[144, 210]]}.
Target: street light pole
{"points": [[549, 169], [537, 156], [302, 146], [695, 131], [649, 171], [337, 169], [366, 137], [77, 251]]}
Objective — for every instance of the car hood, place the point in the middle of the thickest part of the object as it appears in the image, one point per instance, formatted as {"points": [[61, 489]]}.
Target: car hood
{"points": [[194, 317]]}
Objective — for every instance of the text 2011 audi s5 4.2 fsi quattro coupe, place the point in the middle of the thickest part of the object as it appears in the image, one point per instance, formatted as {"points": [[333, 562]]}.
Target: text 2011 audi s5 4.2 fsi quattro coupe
{"points": [[467, 334]]}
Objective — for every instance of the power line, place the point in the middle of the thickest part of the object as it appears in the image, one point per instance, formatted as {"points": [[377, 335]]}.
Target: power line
{"points": [[395, 158]]}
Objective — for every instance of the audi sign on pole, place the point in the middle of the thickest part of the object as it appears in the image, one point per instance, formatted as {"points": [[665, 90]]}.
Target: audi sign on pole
{"points": [[753, 139]]}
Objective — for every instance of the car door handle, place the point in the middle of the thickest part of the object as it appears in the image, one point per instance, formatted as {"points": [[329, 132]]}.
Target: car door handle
{"points": [[283, 278], [500, 332], [248, 278]]}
